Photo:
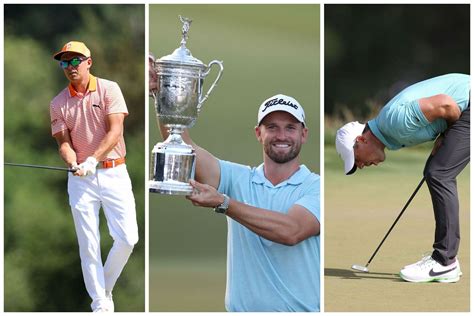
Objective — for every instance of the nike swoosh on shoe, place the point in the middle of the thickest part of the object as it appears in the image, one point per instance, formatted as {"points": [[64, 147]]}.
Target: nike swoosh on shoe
{"points": [[435, 274]]}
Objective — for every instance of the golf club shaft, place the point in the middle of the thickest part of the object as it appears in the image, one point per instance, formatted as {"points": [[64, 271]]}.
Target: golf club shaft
{"points": [[394, 223], [38, 167]]}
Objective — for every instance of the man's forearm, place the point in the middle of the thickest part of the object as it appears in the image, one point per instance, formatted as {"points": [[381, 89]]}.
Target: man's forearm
{"points": [[296, 225], [454, 114], [68, 154], [440, 106], [452, 111], [107, 144], [274, 226], [112, 137]]}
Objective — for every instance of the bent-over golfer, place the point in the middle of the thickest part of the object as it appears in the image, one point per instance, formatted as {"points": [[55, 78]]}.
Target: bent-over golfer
{"points": [[437, 107], [87, 122]]}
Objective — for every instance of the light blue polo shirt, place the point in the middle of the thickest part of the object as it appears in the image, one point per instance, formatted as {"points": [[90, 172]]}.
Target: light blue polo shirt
{"points": [[263, 275], [401, 123]]}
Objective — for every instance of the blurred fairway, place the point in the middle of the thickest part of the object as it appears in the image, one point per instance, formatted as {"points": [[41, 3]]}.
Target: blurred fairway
{"points": [[359, 210], [187, 284], [266, 49]]}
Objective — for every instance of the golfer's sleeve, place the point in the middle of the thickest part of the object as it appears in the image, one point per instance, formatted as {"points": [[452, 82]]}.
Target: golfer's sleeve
{"points": [[401, 119], [114, 100], [57, 121], [231, 173], [311, 198], [415, 115]]}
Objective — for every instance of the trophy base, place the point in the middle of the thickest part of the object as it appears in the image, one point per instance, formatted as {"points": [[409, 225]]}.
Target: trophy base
{"points": [[170, 188]]}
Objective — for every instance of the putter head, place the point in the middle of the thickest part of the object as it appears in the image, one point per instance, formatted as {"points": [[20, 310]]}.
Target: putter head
{"points": [[360, 268]]}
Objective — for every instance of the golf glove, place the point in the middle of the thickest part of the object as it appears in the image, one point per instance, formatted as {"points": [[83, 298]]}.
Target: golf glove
{"points": [[88, 166], [74, 166]]}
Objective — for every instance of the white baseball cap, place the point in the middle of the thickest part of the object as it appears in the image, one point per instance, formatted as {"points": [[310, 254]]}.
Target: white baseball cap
{"points": [[345, 140], [281, 102]]}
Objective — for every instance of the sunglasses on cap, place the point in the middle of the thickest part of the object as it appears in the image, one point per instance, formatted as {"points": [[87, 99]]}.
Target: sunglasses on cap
{"points": [[76, 61]]}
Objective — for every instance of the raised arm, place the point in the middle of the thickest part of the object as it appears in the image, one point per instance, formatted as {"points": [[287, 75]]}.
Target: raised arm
{"points": [[440, 106]]}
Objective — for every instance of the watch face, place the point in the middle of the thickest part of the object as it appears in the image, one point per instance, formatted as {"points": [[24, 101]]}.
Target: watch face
{"points": [[224, 206], [220, 210]]}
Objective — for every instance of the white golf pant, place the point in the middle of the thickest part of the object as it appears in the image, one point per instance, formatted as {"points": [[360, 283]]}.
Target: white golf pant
{"points": [[112, 189]]}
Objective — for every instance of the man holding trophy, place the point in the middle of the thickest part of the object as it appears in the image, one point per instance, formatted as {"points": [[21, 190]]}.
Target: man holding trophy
{"points": [[272, 210]]}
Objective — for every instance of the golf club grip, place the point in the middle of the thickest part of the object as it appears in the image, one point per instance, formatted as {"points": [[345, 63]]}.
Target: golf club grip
{"points": [[396, 220], [38, 167]]}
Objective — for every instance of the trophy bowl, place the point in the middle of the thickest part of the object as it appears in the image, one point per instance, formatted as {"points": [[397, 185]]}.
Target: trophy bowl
{"points": [[172, 166], [178, 101], [179, 89]]}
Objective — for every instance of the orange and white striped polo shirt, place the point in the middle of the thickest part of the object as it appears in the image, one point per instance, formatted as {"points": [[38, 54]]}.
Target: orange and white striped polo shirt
{"points": [[84, 116]]}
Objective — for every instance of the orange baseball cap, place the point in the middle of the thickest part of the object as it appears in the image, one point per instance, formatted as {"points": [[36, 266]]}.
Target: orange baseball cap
{"points": [[73, 46]]}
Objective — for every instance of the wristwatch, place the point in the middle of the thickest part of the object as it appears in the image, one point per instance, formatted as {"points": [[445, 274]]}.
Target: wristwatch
{"points": [[222, 208]]}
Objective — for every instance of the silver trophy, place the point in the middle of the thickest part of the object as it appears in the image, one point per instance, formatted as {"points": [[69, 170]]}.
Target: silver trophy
{"points": [[178, 101]]}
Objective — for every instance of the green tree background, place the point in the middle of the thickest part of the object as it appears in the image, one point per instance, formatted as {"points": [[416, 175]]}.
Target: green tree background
{"points": [[42, 270], [372, 52]]}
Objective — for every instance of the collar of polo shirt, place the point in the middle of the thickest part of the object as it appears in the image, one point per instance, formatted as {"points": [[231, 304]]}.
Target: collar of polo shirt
{"points": [[91, 87]]}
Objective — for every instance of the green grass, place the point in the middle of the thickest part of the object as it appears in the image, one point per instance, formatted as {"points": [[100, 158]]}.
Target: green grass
{"points": [[181, 285], [358, 211]]}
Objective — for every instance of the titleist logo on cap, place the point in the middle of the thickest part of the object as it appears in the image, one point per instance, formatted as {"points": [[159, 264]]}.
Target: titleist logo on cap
{"points": [[277, 101]]}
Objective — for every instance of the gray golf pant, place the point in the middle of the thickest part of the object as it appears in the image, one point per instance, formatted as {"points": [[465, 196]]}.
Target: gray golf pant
{"points": [[440, 172]]}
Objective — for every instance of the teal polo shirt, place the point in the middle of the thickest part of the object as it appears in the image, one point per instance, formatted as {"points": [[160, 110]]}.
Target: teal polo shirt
{"points": [[401, 123], [263, 275]]}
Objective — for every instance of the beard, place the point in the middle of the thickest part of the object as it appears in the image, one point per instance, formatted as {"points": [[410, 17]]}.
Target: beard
{"points": [[282, 157]]}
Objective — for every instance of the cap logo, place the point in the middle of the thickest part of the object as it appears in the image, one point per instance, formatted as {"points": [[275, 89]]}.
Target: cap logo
{"points": [[277, 101], [68, 45]]}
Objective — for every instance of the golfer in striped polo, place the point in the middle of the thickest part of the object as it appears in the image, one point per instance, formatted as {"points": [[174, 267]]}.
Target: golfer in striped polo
{"points": [[87, 122]]}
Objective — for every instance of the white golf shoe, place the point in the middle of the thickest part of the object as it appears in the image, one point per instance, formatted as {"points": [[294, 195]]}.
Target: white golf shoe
{"points": [[108, 295], [426, 256], [428, 270], [107, 306]]}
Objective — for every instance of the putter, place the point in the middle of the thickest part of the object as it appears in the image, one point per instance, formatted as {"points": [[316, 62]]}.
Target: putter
{"points": [[39, 167], [366, 267]]}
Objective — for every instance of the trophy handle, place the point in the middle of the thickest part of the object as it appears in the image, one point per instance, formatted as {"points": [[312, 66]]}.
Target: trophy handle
{"points": [[214, 62]]}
